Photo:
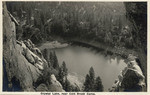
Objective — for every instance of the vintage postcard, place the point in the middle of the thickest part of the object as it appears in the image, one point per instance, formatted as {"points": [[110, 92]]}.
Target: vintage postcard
{"points": [[74, 47]]}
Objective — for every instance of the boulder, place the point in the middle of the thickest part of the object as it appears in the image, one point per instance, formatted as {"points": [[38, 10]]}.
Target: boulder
{"points": [[133, 81], [131, 78], [37, 52], [75, 80], [55, 85], [29, 44], [27, 54]]}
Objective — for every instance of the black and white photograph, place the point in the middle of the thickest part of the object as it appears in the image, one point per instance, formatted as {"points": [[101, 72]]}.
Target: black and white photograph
{"points": [[74, 46]]}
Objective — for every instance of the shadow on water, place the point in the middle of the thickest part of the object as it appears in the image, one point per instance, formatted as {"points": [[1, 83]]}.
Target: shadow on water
{"points": [[103, 51]]}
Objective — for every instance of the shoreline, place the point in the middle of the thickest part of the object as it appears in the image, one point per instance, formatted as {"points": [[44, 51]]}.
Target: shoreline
{"points": [[107, 49], [52, 45]]}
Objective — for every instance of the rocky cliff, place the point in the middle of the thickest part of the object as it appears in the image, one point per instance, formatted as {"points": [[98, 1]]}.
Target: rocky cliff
{"points": [[23, 62], [131, 78]]}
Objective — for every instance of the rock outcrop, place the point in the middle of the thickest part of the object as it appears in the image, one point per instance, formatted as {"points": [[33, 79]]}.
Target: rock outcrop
{"points": [[76, 80], [23, 61], [16, 65], [30, 54], [55, 85], [131, 78]]}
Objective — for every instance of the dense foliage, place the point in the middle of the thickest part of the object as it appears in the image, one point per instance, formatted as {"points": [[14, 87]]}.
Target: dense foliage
{"points": [[90, 21], [137, 14]]}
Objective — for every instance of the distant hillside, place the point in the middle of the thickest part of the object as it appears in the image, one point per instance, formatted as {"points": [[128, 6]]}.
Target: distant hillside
{"points": [[92, 21]]}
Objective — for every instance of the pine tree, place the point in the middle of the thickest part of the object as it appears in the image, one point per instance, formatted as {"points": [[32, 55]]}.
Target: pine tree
{"points": [[98, 84], [65, 70], [92, 78], [86, 83], [55, 64], [51, 58], [45, 54], [92, 73], [91, 84], [47, 58], [62, 74], [67, 85], [89, 80]]}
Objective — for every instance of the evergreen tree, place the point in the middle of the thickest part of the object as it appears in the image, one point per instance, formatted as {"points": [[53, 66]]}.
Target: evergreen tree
{"points": [[45, 54], [98, 84], [92, 78], [67, 85], [55, 64], [90, 83], [51, 58], [65, 70], [86, 83], [92, 73], [62, 74]]}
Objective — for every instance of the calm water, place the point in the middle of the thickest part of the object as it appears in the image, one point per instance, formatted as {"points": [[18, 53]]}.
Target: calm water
{"points": [[80, 59]]}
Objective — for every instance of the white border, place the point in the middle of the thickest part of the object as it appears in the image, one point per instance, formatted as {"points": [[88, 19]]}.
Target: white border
{"points": [[97, 93]]}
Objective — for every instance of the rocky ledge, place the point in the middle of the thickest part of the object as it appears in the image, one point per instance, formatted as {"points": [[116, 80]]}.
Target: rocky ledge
{"points": [[23, 61], [131, 78]]}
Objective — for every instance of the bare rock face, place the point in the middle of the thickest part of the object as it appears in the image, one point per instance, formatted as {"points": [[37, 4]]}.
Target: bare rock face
{"points": [[16, 64], [23, 64]]}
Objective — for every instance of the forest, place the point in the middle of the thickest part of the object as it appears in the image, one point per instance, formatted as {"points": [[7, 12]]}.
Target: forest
{"points": [[120, 25], [98, 22]]}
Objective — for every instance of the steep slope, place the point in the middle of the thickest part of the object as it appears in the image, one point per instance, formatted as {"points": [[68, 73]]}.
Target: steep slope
{"points": [[16, 65], [21, 63]]}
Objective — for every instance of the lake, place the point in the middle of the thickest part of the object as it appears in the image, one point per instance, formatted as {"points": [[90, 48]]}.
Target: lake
{"points": [[79, 60]]}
